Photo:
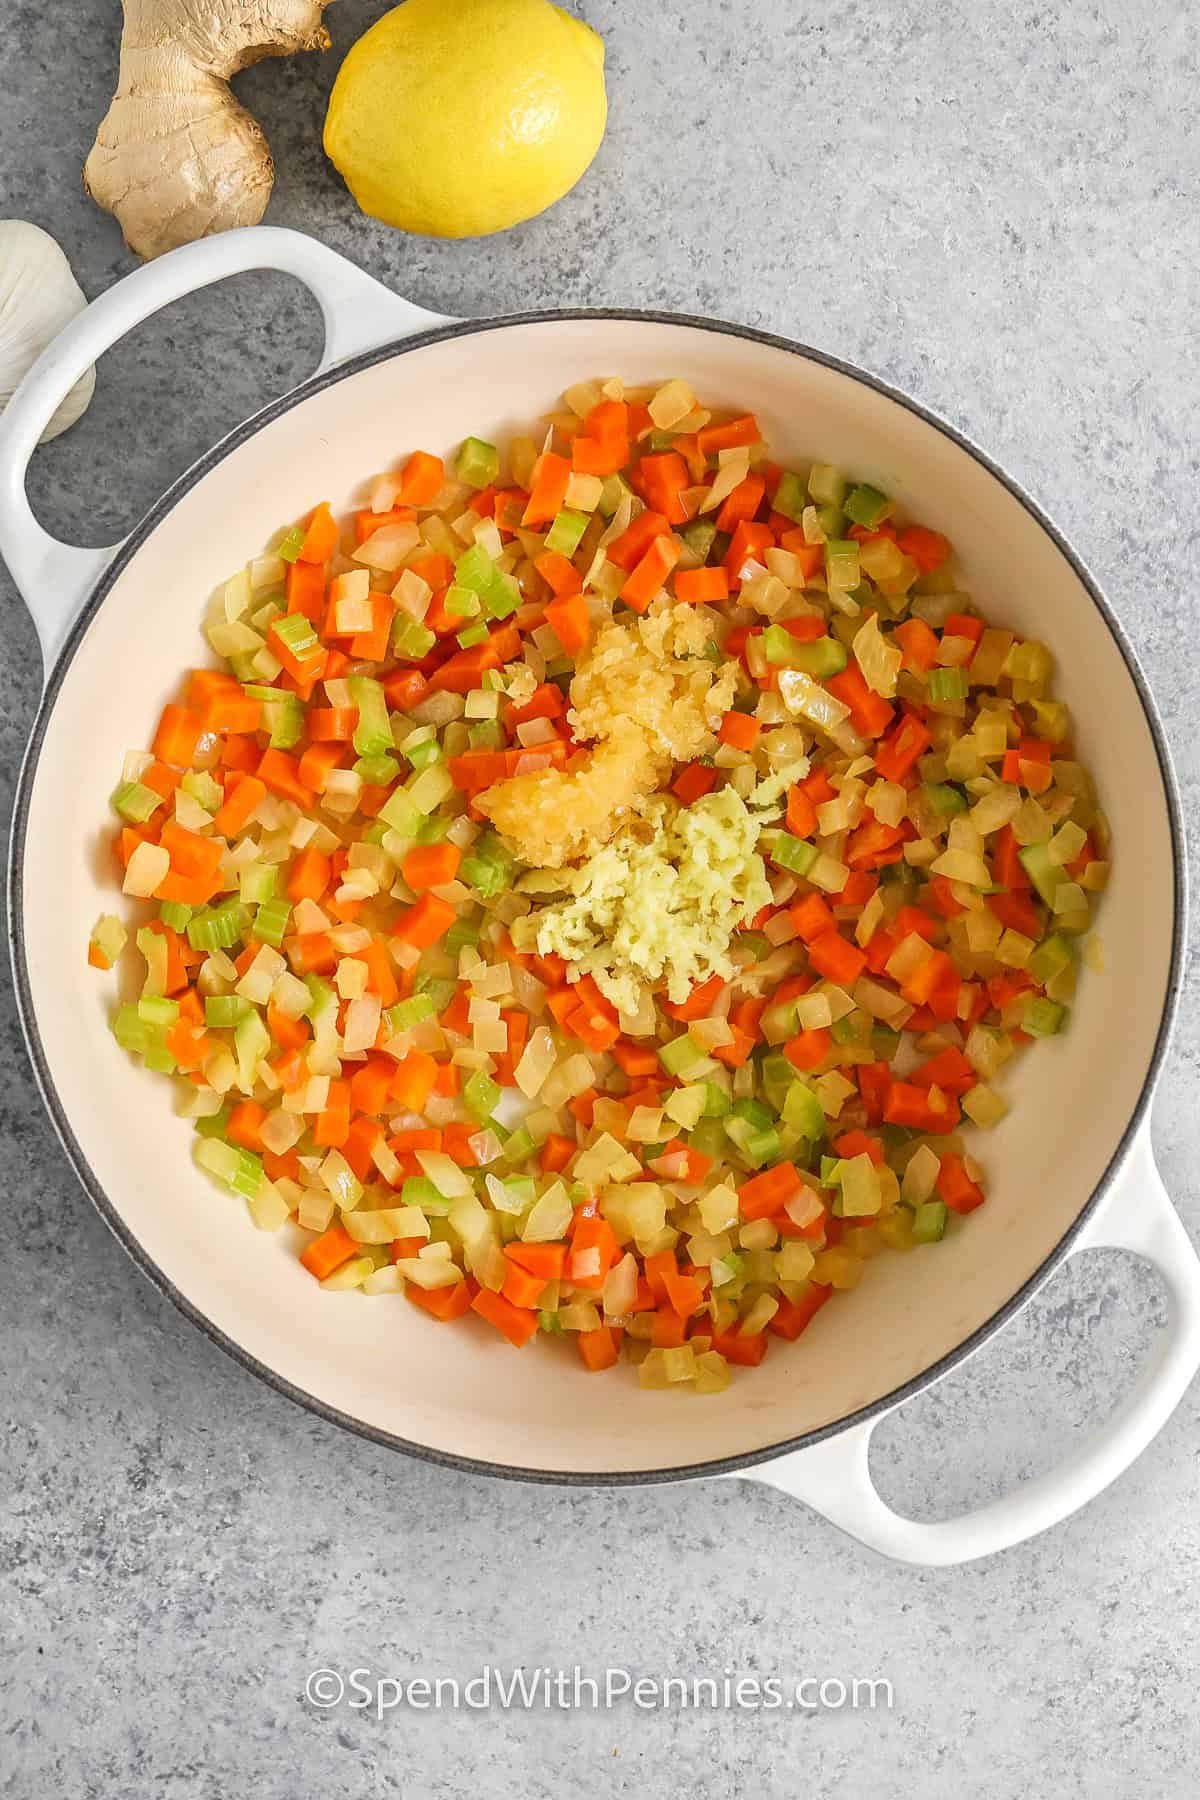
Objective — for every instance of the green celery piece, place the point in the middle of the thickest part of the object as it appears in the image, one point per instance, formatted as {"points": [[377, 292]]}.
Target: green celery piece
{"points": [[201, 786], [503, 598], [292, 544], [680, 1054], [296, 631], [418, 1190], [410, 640], [1053, 956], [488, 734], [566, 531], [136, 802], [434, 829], [474, 634], [252, 1042], [1044, 1018], [271, 922], [716, 1101], [399, 814], [948, 684], [1046, 876], [407, 1013], [155, 1010], [460, 934], [867, 506], [475, 570], [519, 1147], [929, 1222], [826, 485], [792, 853], [790, 497], [224, 1011], [841, 562], [257, 884], [802, 1110], [377, 771], [439, 988], [615, 490], [174, 914], [477, 463], [845, 1031], [755, 1113], [945, 798], [422, 755], [831, 1171], [761, 1147], [461, 602], [699, 537], [214, 1125], [756, 942], [820, 657], [549, 1321], [373, 733], [885, 1043], [489, 868], [708, 1137], [481, 1096]]}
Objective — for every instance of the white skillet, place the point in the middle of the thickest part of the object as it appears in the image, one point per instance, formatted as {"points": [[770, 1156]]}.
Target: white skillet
{"points": [[1070, 1168]]}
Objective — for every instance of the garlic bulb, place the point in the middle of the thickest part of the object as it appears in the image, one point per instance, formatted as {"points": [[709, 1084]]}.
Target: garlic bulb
{"points": [[38, 296]]}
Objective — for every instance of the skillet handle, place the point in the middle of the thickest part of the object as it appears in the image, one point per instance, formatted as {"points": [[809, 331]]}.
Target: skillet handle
{"points": [[359, 312], [835, 1478]]}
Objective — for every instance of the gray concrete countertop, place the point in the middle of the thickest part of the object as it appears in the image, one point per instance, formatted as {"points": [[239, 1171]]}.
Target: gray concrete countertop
{"points": [[994, 206]]}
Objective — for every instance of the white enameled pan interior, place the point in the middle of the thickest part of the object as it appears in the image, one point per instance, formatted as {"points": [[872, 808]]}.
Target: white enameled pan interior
{"points": [[382, 1365]]}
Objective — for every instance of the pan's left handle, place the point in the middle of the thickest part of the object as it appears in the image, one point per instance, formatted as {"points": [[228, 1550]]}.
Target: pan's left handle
{"points": [[359, 312]]}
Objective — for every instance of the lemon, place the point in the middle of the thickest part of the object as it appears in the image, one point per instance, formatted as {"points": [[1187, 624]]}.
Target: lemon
{"points": [[457, 118]]}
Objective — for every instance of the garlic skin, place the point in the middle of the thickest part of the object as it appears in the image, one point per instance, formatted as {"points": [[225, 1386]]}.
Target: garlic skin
{"points": [[38, 297]]}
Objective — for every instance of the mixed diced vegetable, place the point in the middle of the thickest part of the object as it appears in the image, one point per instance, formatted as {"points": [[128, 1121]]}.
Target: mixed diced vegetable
{"points": [[601, 884]]}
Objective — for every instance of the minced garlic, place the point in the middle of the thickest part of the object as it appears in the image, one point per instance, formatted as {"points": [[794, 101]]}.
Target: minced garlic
{"points": [[660, 902]]}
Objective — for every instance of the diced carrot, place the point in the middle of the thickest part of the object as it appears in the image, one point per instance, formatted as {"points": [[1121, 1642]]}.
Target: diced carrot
{"points": [[699, 587], [309, 875], [918, 645], [684, 1293], [812, 918], [597, 1349], [870, 713], [422, 479], [569, 619], [809, 1049], [305, 588], [321, 536], [425, 922], [545, 1260], [699, 1002], [289, 1034], [371, 1084], [176, 737], [243, 793], [413, 1080], [328, 1252], [960, 1193], [737, 1346], [559, 573], [281, 773], [769, 1191], [837, 958], [670, 1328], [928, 549], [449, 1302], [794, 1316], [693, 782], [522, 1287], [517, 1324], [431, 865], [594, 1250], [949, 1069], [730, 436], [628, 550], [404, 688], [557, 1152], [907, 1104], [749, 541], [901, 748], [548, 489], [332, 1126], [801, 818]]}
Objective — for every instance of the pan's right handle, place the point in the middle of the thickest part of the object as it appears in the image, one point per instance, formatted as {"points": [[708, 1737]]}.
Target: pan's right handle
{"points": [[54, 578], [835, 1478]]}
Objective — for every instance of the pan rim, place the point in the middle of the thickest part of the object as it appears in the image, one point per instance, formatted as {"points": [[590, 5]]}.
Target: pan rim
{"points": [[743, 1461]]}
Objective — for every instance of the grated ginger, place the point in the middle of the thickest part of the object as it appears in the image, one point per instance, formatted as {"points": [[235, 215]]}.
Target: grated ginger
{"points": [[647, 696]]}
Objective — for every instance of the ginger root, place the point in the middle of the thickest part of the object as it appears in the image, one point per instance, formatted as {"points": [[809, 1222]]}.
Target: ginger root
{"points": [[176, 156]]}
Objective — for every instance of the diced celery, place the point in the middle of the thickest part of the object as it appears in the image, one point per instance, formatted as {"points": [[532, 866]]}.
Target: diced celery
{"points": [[490, 866], [761, 1147], [866, 506], [615, 490], [424, 755], [841, 564], [214, 1125], [410, 639], [1046, 876], [566, 531], [201, 786], [377, 771], [519, 1147], [793, 853], [475, 570], [680, 1054], [944, 798], [488, 734], [826, 484], [802, 1110], [271, 921], [407, 1013], [256, 883], [820, 657], [110, 936], [135, 802], [296, 631], [790, 496], [439, 988], [929, 1222], [948, 684], [433, 830], [155, 1009], [474, 634], [373, 733], [292, 545], [418, 1190], [477, 463], [716, 1101], [481, 1096], [399, 813], [1044, 1018], [252, 1041], [461, 602], [225, 1010], [1052, 958]]}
